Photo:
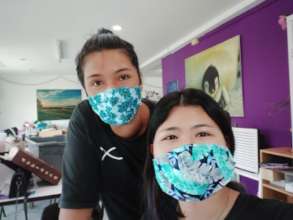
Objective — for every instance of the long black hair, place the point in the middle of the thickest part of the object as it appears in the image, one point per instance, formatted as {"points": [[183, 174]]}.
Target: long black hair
{"points": [[157, 202]]}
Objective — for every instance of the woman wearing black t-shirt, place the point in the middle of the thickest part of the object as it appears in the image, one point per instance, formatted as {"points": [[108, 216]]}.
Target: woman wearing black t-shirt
{"points": [[106, 142], [189, 165]]}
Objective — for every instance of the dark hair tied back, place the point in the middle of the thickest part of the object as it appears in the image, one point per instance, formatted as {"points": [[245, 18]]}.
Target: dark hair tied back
{"points": [[105, 39]]}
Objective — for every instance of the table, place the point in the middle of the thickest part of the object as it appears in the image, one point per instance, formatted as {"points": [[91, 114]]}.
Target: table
{"points": [[35, 194]]}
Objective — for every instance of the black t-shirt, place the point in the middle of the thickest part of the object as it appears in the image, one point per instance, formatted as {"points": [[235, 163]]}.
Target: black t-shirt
{"points": [[99, 164], [246, 207], [249, 207]]}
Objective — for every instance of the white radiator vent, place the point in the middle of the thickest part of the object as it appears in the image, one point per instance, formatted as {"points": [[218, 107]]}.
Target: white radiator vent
{"points": [[246, 149]]}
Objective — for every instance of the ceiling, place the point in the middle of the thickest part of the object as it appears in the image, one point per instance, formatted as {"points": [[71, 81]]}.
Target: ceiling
{"points": [[30, 29]]}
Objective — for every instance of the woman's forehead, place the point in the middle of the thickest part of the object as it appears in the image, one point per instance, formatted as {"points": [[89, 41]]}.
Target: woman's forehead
{"points": [[106, 59], [187, 116]]}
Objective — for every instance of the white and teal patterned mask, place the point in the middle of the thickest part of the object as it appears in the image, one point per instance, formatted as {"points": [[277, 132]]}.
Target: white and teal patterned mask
{"points": [[194, 172], [116, 106]]}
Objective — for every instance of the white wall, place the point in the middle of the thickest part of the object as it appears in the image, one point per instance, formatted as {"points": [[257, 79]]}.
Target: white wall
{"points": [[18, 102]]}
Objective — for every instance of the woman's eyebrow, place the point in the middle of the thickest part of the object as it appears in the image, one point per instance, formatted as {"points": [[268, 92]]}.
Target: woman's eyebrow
{"points": [[200, 126], [174, 128], [169, 129], [94, 75], [121, 70], [116, 72]]}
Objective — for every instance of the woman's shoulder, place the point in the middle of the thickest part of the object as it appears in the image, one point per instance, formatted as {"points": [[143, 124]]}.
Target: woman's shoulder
{"points": [[83, 116], [251, 207], [150, 103], [83, 107], [83, 110]]}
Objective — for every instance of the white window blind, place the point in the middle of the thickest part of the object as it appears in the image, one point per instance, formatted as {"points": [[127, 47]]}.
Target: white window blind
{"points": [[246, 149]]}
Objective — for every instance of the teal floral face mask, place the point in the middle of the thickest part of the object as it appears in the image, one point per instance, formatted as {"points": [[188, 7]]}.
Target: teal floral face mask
{"points": [[194, 172], [116, 106]]}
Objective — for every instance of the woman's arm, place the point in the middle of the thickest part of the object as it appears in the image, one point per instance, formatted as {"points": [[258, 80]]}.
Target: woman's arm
{"points": [[75, 214]]}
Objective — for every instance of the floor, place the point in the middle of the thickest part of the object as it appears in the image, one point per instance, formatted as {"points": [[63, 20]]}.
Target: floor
{"points": [[34, 212]]}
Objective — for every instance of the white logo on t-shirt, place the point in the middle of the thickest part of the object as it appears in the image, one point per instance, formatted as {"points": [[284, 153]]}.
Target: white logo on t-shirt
{"points": [[108, 153]]}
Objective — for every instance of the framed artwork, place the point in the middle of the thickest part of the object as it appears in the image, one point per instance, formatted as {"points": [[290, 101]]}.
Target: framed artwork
{"points": [[172, 86], [57, 104], [217, 71]]}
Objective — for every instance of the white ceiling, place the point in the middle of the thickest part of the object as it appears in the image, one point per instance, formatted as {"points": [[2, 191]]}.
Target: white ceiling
{"points": [[30, 28]]}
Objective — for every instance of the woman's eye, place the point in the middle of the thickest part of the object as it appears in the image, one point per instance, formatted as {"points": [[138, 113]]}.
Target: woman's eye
{"points": [[97, 83], [170, 137], [202, 134], [124, 77]]}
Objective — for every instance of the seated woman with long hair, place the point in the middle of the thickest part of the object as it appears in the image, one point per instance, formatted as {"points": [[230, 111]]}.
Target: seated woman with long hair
{"points": [[190, 167]]}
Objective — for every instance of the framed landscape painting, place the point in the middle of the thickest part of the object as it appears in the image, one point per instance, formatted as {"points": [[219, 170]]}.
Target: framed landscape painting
{"points": [[57, 104]]}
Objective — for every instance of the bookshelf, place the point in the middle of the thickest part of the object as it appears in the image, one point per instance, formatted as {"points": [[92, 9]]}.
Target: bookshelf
{"points": [[269, 190]]}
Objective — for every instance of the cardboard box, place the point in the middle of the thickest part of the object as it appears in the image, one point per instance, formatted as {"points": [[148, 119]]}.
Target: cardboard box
{"points": [[51, 133], [271, 174]]}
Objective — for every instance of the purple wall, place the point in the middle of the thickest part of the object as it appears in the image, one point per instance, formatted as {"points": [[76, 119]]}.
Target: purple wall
{"points": [[250, 185], [264, 68], [265, 73]]}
